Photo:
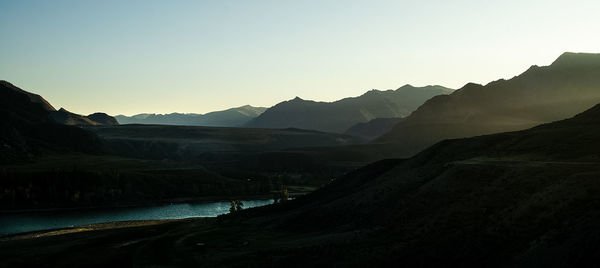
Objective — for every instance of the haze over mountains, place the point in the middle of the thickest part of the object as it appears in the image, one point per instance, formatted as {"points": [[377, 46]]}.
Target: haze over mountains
{"points": [[568, 86], [340, 115], [374, 128], [233, 117]]}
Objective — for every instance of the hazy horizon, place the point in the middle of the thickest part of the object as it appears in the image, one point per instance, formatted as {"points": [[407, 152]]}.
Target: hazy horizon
{"points": [[198, 57]]}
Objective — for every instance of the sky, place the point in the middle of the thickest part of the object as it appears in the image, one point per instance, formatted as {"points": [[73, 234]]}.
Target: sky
{"points": [[136, 56]]}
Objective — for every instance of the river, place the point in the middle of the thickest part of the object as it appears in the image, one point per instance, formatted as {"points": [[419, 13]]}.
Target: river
{"points": [[12, 223]]}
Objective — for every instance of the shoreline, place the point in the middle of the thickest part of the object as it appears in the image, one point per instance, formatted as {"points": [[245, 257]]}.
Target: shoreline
{"points": [[92, 227], [198, 200]]}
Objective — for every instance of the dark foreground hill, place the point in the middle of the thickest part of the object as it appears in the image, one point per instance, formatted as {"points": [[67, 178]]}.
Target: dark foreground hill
{"points": [[27, 127], [540, 95], [517, 199], [340, 115], [234, 117]]}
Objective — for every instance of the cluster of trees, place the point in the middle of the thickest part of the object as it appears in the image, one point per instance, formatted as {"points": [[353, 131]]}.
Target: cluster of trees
{"points": [[236, 205], [75, 187], [281, 196]]}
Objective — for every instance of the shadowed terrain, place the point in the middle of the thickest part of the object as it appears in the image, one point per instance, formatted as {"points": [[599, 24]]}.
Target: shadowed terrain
{"points": [[372, 129], [527, 198], [540, 95], [81, 163], [143, 148]]}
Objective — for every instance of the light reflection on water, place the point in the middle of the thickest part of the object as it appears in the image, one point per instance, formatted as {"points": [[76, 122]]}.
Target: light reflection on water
{"points": [[35, 221]]}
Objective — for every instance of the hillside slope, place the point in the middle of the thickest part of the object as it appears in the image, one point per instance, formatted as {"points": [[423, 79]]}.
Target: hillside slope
{"points": [[527, 198], [373, 128], [27, 127], [540, 95]]}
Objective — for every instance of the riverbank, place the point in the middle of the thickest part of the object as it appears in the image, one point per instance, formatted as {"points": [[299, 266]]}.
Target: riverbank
{"points": [[87, 228], [294, 191], [43, 221]]}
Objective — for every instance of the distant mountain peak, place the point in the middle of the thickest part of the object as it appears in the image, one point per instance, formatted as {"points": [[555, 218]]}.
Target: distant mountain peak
{"points": [[337, 116], [371, 92], [103, 118], [409, 87], [539, 95], [577, 59], [472, 84], [233, 117]]}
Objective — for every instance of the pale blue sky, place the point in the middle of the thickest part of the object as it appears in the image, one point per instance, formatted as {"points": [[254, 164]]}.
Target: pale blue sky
{"points": [[127, 57]]}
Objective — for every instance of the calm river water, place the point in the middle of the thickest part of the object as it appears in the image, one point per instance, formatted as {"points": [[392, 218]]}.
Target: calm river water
{"points": [[34, 221]]}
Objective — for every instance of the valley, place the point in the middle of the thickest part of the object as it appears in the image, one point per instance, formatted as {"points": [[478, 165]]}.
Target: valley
{"points": [[497, 175]]}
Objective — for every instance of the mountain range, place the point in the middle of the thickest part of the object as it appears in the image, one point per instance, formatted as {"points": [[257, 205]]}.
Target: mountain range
{"points": [[340, 115], [540, 95], [516, 199], [233, 117]]}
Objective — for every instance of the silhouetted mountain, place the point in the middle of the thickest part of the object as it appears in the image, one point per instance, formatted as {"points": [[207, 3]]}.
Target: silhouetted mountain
{"points": [[103, 119], [233, 117], [373, 128], [338, 116], [27, 127], [539, 95], [62, 116], [6, 86]]}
